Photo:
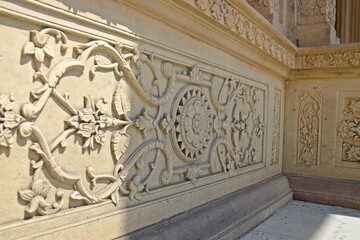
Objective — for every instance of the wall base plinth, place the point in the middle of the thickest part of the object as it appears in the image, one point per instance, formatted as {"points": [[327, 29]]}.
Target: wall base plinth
{"points": [[226, 218], [326, 191]]}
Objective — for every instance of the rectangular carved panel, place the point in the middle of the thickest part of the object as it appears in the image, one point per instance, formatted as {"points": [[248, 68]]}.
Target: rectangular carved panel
{"points": [[348, 131], [309, 127], [139, 122]]}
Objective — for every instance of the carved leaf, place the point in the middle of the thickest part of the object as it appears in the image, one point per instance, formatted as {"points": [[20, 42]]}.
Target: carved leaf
{"points": [[29, 48], [115, 198], [144, 122], [61, 68], [6, 138], [119, 142], [121, 102], [26, 195]]}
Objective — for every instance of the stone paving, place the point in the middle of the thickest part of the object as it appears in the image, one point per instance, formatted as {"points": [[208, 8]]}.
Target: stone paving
{"points": [[304, 221]]}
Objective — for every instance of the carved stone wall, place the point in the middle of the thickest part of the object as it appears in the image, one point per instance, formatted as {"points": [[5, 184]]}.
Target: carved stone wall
{"points": [[322, 104], [101, 118]]}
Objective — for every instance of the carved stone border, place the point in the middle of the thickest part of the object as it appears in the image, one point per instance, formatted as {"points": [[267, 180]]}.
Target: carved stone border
{"points": [[227, 14], [329, 57]]}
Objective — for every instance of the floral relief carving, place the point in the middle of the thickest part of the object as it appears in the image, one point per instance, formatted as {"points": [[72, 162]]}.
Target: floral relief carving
{"points": [[276, 128], [225, 13], [349, 130], [192, 125], [329, 60], [89, 122], [9, 120], [310, 115], [213, 128]]}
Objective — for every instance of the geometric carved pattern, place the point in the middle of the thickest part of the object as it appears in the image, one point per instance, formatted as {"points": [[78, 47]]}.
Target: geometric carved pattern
{"points": [[309, 127], [349, 130], [215, 123]]}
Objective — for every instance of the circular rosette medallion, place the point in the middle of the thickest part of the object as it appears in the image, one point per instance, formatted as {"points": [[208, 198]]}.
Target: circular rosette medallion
{"points": [[193, 124]]}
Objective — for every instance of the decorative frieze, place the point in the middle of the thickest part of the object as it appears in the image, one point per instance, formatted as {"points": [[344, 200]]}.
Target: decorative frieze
{"points": [[225, 13], [329, 60], [216, 124], [309, 127]]}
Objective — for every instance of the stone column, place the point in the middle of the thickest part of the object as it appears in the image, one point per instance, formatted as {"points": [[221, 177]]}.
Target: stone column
{"points": [[315, 22]]}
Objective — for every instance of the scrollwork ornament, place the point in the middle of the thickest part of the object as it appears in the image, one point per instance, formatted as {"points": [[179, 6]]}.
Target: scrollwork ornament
{"points": [[90, 123]]}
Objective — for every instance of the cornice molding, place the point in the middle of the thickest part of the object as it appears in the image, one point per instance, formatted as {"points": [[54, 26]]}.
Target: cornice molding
{"points": [[240, 18]]}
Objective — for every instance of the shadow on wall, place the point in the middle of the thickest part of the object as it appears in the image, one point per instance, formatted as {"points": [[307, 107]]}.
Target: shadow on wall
{"points": [[98, 8]]}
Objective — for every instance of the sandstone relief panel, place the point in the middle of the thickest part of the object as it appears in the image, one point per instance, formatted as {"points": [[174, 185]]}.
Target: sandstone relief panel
{"points": [[348, 132], [309, 127], [160, 123]]}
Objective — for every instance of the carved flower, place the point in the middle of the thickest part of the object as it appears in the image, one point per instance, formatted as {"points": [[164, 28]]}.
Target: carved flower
{"points": [[350, 129], [192, 124], [352, 152], [38, 46], [354, 60], [8, 119], [86, 129], [353, 107], [90, 120], [36, 195], [197, 124]]}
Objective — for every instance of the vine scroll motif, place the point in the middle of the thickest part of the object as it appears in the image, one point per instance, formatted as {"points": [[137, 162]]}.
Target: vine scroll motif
{"points": [[349, 131], [310, 115], [213, 128], [89, 123]]}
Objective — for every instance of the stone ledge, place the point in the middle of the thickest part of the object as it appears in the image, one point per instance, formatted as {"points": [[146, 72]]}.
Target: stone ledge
{"points": [[226, 218], [326, 191]]}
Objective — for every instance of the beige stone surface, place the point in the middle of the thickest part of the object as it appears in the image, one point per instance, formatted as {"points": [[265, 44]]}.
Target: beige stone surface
{"points": [[113, 119], [115, 115], [322, 98]]}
